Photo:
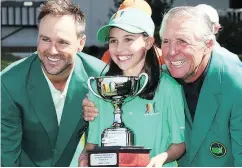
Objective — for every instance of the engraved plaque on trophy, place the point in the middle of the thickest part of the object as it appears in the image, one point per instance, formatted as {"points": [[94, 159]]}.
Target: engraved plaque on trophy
{"points": [[117, 142]]}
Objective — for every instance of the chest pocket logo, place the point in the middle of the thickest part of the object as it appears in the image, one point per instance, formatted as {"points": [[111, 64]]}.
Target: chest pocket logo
{"points": [[217, 149], [151, 109]]}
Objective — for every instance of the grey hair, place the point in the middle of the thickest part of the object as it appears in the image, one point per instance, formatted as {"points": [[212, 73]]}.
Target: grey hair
{"points": [[212, 14], [201, 18]]}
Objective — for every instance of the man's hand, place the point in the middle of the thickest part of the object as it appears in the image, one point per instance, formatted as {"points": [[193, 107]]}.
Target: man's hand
{"points": [[89, 110]]}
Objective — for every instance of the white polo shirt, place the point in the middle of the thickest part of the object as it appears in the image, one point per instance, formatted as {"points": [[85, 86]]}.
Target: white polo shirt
{"points": [[58, 96], [59, 101]]}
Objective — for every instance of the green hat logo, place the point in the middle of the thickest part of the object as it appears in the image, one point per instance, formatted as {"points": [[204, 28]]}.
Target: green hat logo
{"points": [[217, 149]]}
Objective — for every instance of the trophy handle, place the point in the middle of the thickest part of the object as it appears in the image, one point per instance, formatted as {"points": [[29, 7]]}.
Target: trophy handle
{"points": [[90, 87], [145, 83]]}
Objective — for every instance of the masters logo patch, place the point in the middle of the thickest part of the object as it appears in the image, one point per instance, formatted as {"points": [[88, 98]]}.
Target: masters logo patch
{"points": [[217, 149]]}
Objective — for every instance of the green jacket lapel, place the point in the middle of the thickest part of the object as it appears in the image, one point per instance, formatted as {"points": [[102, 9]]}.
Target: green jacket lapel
{"points": [[41, 100], [207, 106], [71, 115]]}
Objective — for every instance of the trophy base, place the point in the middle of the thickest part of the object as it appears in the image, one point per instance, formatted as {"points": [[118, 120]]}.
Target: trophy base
{"points": [[117, 137], [118, 156]]}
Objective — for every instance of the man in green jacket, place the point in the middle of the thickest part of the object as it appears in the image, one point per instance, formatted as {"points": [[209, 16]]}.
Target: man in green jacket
{"points": [[41, 121], [211, 80]]}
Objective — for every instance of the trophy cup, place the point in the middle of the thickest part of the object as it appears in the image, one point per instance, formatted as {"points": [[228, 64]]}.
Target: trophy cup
{"points": [[117, 142]]}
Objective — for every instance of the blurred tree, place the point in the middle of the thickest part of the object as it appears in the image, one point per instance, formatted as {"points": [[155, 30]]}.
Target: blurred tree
{"points": [[230, 35], [159, 8], [116, 6]]}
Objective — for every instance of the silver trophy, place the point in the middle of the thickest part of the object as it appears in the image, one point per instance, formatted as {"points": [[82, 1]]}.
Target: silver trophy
{"points": [[117, 90]]}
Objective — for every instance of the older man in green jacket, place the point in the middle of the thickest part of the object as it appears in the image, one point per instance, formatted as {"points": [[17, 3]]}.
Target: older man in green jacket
{"points": [[211, 80]]}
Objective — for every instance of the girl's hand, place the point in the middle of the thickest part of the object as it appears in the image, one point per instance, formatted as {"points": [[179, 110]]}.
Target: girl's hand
{"points": [[83, 160], [158, 160]]}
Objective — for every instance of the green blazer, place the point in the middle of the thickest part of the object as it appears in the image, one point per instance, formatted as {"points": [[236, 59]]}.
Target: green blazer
{"points": [[215, 136], [30, 135]]}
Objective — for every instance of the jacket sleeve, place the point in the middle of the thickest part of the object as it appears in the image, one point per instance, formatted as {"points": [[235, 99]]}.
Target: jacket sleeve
{"points": [[11, 130], [236, 130]]}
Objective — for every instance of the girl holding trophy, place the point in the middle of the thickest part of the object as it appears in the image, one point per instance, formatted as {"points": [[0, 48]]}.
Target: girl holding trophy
{"points": [[156, 115]]}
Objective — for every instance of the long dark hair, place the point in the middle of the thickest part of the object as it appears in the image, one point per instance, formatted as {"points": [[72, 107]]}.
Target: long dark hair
{"points": [[151, 67]]}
